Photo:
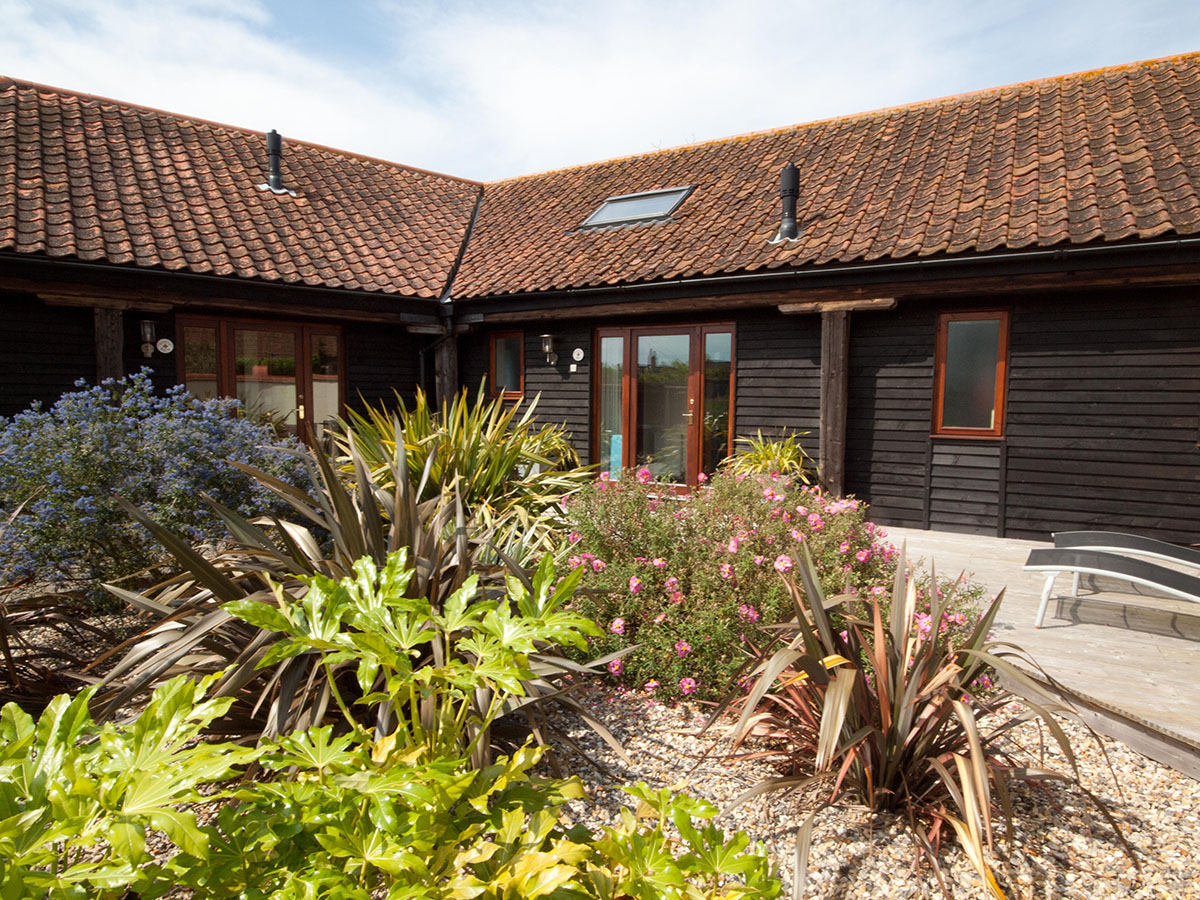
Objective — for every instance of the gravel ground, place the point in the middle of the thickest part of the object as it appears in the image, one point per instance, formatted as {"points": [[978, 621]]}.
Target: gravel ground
{"points": [[1062, 845]]}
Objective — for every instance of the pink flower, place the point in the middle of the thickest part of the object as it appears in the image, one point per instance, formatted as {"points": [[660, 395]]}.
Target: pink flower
{"points": [[650, 686], [803, 510], [783, 564], [635, 584], [733, 545], [845, 547], [617, 626], [797, 535], [771, 494], [862, 555], [617, 666], [653, 505], [682, 648], [671, 583], [924, 625], [702, 478], [643, 476], [749, 613], [574, 537], [878, 591], [658, 562], [599, 565], [815, 522], [660, 618], [687, 685], [759, 560], [574, 562], [605, 476], [677, 597], [726, 571]]}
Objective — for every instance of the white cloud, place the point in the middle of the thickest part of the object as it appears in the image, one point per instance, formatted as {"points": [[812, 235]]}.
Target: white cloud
{"points": [[504, 88]]}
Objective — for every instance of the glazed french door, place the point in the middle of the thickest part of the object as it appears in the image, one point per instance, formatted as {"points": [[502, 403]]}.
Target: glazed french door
{"points": [[287, 371], [663, 399]]}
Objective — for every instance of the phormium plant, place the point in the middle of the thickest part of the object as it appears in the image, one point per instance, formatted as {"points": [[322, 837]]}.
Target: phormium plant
{"points": [[885, 711]]}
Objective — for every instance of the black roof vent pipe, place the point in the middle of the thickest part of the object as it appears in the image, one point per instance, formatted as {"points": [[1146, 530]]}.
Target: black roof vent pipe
{"points": [[274, 157], [789, 190]]}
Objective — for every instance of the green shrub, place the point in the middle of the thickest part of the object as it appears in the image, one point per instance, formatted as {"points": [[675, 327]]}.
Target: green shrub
{"points": [[381, 812], [761, 455], [510, 472], [62, 470], [887, 712], [684, 579]]}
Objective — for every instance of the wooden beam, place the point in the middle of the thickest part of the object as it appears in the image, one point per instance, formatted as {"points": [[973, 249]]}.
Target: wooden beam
{"points": [[102, 301], [835, 368], [110, 343], [446, 369], [822, 306]]}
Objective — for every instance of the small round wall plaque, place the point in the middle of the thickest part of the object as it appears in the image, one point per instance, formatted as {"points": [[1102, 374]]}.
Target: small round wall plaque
{"points": [[577, 354], [165, 345]]}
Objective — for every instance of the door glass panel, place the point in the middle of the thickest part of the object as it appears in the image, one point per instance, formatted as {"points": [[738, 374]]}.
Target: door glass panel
{"points": [[264, 369], [200, 360], [714, 437], [326, 389], [662, 405], [612, 369], [972, 351]]}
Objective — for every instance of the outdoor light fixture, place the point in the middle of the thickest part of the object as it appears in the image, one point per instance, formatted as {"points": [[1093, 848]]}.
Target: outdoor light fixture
{"points": [[548, 349], [147, 338]]}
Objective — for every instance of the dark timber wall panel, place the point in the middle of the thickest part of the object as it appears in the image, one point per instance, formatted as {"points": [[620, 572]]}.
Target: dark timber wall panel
{"points": [[380, 358], [964, 486], [891, 396], [564, 396], [47, 348], [1103, 406], [777, 380]]}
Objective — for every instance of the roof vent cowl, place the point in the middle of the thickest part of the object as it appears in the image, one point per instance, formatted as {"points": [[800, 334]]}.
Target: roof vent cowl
{"points": [[789, 191], [274, 165]]}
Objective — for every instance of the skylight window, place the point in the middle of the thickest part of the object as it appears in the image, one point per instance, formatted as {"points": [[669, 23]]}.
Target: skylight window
{"points": [[637, 207]]}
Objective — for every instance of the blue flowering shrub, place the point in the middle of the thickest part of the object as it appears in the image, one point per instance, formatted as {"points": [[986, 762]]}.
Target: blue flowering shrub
{"points": [[62, 468]]}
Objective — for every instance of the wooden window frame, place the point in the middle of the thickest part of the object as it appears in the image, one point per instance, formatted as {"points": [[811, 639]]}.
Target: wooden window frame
{"points": [[695, 388], [492, 390], [996, 432], [226, 352]]}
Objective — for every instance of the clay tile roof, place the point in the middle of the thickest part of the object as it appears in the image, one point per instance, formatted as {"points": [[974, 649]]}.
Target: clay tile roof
{"points": [[95, 179], [1106, 155]]}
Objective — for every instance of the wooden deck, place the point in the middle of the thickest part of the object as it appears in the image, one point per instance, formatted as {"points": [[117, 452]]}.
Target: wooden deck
{"points": [[1130, 663]]}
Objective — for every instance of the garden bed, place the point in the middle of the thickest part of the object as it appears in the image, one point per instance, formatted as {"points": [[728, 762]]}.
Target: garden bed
{"points": [[1062, 847]]}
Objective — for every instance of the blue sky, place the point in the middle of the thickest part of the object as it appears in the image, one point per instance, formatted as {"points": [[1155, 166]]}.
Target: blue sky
{"points": [[491, 90]]}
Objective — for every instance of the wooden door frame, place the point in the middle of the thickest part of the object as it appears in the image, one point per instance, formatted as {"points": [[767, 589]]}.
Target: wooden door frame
{"points": [[695, 387]]}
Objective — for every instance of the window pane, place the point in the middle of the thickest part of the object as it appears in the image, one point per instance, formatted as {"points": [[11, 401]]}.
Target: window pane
{"points": [[200, 360], [612, 371], [718, 359], [972, 351], [264, 368], [662, 404], [507, 377], [325, 387], [637, 206]]}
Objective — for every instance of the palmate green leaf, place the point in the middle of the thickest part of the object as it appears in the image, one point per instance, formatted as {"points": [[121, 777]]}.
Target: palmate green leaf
{"points": [[315, 749], [260, 614]]}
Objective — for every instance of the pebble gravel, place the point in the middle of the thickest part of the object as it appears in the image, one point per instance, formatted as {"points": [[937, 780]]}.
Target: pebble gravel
{"points": [[1061, 845]]}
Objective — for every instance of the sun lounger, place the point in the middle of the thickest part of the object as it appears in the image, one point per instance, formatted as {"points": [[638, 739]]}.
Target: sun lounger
{"points": [[1081, 559]]}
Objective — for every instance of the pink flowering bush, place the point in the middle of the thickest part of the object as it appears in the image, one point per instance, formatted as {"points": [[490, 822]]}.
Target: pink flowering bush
{"points": [[702, 572]]}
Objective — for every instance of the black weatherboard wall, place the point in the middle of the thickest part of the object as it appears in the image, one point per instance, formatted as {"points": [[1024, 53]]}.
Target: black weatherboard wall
{"points": [[47, 349]]}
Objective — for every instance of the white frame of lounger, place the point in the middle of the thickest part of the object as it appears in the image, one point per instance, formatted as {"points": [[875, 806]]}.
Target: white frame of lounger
{"points": [[1053, 571]]}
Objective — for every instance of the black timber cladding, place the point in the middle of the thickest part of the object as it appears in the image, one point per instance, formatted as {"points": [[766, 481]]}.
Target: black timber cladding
{"points": [[1104, 415], [47, 349], [777, 376], [564, 397], [891, 403], [381, 359]]}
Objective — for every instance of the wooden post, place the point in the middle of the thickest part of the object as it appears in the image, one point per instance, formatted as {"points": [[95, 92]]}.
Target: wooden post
{"points": [[835, 366], [446, 369], [109, 328]]}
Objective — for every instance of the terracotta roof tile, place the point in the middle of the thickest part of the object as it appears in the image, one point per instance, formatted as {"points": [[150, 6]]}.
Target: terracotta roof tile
{"points": [[97, 179], [1104, 155]]}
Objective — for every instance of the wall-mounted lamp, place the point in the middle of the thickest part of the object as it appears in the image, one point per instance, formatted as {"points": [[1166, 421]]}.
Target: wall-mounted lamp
{"points": [[147, 338], [548, 349]]}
